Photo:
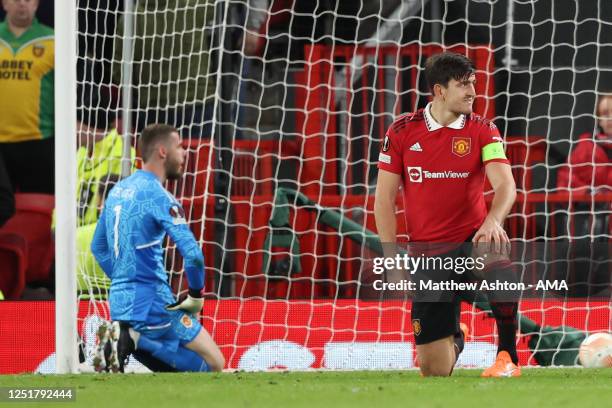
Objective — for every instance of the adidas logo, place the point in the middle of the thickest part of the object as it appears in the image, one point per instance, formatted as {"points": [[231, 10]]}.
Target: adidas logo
{"points": [[416, 147]]}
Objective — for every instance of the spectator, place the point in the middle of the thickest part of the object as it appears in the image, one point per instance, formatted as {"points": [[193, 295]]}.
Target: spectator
{"points": [[256, 17], [26, 106], [588, 168], [170, 68], [99, 157], [7, 199], [91, 280], [99, 161], [252, 45]]}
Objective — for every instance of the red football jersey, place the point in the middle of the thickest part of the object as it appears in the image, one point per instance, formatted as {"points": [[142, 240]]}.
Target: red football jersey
{"points": [[442, 170]]}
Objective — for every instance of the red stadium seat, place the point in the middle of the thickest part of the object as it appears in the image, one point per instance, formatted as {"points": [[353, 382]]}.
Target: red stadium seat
{"points": [[32, 221], [13, 263]]}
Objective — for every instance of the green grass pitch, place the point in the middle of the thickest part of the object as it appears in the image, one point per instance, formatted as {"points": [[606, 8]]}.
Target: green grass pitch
{"points": [[536, 388]]}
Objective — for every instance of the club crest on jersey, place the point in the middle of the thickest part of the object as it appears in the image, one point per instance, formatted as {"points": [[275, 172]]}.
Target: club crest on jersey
{"points": [[38, 50], [461, 146], [386, 144], [186, 320], [416, 326], [178, 214]]}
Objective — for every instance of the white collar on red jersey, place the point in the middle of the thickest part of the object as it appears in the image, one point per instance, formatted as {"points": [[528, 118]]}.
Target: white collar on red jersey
{"points": [[432, 125]]}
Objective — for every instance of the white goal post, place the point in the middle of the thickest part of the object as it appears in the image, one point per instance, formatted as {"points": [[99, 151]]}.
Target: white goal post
{"points": [[65, 186]]}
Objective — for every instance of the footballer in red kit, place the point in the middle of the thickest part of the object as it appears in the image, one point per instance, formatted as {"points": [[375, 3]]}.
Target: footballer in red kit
{"points": [[440, 156], [432, 160]]}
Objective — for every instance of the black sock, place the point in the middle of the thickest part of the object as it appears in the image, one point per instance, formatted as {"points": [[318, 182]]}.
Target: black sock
{"points": [[459, 341], [505, 317]]}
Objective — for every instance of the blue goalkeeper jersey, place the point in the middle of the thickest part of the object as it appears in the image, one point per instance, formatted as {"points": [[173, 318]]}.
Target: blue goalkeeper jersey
{"points": [[127, 244]]}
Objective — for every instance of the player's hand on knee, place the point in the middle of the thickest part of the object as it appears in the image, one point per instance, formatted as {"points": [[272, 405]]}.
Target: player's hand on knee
{"points": [[491, 236], [191, 304]]}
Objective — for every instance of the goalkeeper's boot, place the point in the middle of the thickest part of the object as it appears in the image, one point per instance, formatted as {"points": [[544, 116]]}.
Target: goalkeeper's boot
{"points": [[503, 367], [122, 345], [101, 359]]}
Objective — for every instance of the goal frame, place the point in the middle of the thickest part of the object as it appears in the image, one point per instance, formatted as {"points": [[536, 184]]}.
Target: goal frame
{"points": [[66, 356]]}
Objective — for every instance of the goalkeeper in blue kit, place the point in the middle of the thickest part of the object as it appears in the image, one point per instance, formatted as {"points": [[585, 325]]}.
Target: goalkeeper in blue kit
{"points": [[148, 323]]}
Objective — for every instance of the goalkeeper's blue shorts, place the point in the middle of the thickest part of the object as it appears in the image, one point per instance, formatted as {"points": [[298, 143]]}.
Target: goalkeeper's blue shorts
{"points": [[164, 335], [178, 329], [166, 344], [163, 339]]}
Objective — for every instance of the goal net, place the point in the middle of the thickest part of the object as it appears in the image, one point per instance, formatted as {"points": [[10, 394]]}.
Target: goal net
{"points": [[282, 106]]}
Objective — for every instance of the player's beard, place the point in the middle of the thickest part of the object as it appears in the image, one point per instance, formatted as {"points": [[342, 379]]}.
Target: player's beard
{"points": [[173, 170], [464, 108]]}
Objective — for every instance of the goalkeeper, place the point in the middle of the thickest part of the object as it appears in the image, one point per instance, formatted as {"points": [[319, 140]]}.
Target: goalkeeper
{"points": [[163, 334], [440, 155]]}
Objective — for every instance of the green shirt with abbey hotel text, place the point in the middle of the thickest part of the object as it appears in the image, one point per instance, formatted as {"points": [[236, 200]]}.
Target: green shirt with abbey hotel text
{"points": [[26, 83]]}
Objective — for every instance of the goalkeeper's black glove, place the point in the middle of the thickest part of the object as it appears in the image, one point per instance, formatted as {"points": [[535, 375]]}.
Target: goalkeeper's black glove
{"points": [[191, 304]]}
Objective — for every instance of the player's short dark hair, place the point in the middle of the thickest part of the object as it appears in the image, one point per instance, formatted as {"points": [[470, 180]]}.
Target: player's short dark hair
{"points": [[151, 136], [441, 68]]}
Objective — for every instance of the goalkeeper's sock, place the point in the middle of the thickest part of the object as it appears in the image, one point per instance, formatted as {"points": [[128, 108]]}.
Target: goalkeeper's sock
{"points": [[505, 317], [188, 360], [181, 359], [154, 364], [154, 347]]}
